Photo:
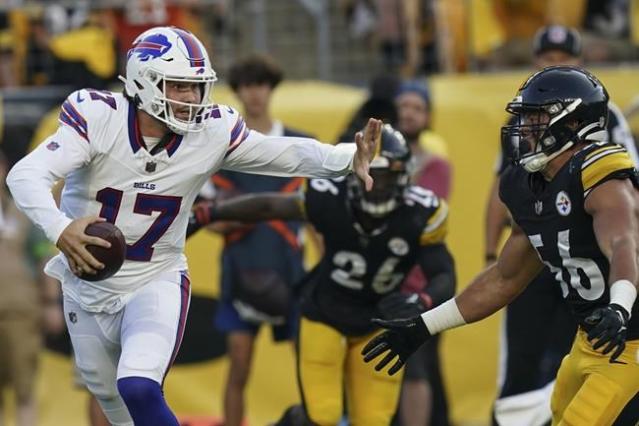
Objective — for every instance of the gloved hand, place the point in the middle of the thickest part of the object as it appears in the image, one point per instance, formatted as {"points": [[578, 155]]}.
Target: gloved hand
{"points": [[400, 305], [610, 324], [201, 215], [401, 339]]}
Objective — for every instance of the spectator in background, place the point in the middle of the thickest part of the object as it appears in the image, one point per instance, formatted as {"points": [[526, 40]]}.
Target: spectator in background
{"points": [[518, 19], [379, 103], [74, 47], [431, 169], [607, 31], [8, 77], [538, 328], [398, 33], [423, 399], [394, 25], [20, 312], [137, 16], [256, 289]]}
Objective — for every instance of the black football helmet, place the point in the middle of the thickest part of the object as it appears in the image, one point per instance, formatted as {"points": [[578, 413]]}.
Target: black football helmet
{"points": [[391, 175], [555, 108]]}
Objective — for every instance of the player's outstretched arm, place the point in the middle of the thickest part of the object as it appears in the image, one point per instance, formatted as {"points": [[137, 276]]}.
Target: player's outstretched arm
{"points": [[491, 290], [295, 156], [248, 208], [614, 208], [502, 282]]}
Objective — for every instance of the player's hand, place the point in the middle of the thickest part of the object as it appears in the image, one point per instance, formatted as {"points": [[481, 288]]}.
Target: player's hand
{"points": [[201, 215], [400, 305], [610, 324], [366, 142], [73, 242], [401, 339]]}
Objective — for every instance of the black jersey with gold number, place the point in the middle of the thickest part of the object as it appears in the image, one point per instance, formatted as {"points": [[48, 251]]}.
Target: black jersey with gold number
{"points": [[358, 268], [553, 216]]}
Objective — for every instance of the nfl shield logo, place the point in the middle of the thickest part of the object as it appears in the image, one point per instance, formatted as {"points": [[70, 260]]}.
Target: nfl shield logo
{"points": [[539, 206], [150, 166]]}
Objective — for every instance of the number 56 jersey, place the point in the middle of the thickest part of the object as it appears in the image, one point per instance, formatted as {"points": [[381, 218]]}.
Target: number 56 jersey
{"points": [[109, 172], [553, 216], [359, 268]]}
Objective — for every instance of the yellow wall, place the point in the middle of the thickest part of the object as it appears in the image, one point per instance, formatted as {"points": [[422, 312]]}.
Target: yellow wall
{"points": [[469, 113]]}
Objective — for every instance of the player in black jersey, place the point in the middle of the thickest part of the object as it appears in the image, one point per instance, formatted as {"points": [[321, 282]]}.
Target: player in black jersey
{"points": [[575, 208], [537, 329], [371, 240]]}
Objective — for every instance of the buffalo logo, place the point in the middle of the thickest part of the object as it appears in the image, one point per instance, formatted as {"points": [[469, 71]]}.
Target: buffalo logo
{"points": [[53, 145], [150, 47]]}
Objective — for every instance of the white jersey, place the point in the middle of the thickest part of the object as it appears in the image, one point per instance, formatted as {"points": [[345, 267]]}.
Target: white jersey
{"points": [[108, 171]]}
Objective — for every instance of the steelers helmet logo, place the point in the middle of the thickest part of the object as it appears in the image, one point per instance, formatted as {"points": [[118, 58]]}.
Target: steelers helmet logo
{"points": [[563, 203]]}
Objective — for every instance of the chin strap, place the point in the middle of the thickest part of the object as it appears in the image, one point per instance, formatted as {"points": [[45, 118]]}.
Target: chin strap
{"points": [[537, 162]]}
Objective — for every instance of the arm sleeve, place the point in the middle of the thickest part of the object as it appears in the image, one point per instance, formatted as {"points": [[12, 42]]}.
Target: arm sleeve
{"points": [[252, 152], [439, 269], [31, 179], [603, 164], [436, 227]]}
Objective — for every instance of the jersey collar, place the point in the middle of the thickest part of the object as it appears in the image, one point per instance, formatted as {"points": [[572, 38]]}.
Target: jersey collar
{"points": [[135, 137]]}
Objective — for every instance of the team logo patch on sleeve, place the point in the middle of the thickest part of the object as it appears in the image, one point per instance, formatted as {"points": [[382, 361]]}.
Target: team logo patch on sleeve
{"points": [[53, 145], [563, 203]]}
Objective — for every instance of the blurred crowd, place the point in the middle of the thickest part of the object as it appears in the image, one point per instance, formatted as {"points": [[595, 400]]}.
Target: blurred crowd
{"points": [[83, 42]]}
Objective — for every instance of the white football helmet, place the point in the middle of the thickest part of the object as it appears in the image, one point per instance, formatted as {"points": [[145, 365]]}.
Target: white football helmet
{"points": [[164, 54]]}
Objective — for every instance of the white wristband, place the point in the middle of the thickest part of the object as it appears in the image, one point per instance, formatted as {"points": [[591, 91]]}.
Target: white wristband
{"points": [[623, 293], [443, 317]]}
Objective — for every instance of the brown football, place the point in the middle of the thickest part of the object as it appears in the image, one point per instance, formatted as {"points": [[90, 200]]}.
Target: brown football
{"points": [[112, 257]]}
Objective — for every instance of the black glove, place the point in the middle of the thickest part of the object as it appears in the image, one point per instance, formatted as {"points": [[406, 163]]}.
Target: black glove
{"points": [[400, 305], [401, 339], [610, 324], [201, 215]]}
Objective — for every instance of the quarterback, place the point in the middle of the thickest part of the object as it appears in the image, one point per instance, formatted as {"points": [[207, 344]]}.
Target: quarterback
{"points": [[138, 160], [575, 208]]}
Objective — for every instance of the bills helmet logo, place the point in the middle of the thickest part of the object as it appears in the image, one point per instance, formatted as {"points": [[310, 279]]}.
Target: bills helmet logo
{"points": [[53, 145], [150, 47]]}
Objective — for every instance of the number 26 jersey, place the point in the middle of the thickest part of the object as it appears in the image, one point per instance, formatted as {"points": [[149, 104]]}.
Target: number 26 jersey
{"points": [[358, 268]]}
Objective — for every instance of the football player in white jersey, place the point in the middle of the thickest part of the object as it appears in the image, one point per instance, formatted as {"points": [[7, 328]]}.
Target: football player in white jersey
{"points": [[138, 160]]}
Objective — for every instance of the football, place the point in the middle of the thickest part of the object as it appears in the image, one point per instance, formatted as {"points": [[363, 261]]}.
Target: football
{"points": [[112, 257]]}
